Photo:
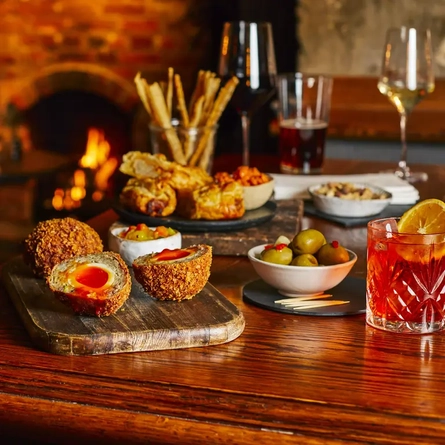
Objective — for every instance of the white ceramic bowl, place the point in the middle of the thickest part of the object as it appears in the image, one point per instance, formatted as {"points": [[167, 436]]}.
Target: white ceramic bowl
{"points": [[256, 196], [353, 208], [130, 250], [298, 280]]}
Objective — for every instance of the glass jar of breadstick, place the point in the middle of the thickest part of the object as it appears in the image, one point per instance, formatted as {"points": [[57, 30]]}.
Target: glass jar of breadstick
{"points": [[185, 145]]}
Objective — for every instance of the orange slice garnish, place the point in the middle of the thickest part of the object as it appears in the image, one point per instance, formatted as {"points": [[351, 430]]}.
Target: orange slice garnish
{"points": [[426, 218]]}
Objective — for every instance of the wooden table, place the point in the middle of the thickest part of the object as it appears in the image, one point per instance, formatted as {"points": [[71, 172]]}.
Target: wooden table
{"points": [[287, 379]]}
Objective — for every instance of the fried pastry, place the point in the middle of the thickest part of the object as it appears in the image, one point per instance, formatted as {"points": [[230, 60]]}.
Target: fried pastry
{"points": [[155, 166], [145, 165], [150, 197], [182, 178], [212, 202]]}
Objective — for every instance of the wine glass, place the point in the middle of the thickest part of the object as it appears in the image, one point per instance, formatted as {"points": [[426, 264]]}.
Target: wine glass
{"points": [[247, 52], [407, 77]]}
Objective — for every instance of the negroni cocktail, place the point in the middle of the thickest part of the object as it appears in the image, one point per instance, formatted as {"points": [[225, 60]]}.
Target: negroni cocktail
{"points": [[405, 279]]}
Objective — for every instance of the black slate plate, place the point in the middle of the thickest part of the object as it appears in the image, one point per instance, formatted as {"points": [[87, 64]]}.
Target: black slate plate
{"points": [[350, 289], [387, 212], [250, 219]]}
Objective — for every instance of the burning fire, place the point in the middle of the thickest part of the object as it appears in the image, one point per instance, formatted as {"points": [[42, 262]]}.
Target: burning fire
{"points": [[95, 160]]}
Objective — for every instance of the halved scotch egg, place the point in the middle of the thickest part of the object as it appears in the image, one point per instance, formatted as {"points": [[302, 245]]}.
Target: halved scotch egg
{"points": [[174, 274], [96, 284]]}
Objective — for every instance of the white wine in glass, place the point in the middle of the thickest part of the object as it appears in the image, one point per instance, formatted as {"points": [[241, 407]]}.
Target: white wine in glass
{"points": [[407, 77]]}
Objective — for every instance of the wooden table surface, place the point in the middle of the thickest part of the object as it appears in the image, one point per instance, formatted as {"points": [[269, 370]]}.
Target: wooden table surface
{"points": [[286, 379]]}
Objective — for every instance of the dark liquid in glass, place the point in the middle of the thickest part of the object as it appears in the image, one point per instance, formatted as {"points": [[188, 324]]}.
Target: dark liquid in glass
{"points": [[302, 146], [248, 100]]}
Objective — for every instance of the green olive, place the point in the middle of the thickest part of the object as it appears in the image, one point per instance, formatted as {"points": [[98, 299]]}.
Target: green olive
{"points": [[332, 253], [307, 241], [305, 260], [277, 256]]}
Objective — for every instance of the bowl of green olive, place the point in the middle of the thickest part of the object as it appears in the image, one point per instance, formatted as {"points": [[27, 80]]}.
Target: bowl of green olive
{"points": [[133, 241], [307, 264]]}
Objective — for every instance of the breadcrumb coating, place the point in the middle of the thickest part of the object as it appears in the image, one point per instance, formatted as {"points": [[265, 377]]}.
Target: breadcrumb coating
{"points": [[55, 240], [178, 279], [97, 303]]}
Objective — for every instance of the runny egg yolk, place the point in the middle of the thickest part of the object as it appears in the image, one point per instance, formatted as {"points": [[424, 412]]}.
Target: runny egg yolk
{"points": [[92, 276], [168, 254]]}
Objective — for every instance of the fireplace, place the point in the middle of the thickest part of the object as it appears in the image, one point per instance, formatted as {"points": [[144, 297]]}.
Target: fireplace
{"points": [[95, 132], [68, 67]]}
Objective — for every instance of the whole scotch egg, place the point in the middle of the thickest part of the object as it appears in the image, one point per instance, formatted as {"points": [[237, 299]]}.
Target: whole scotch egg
{"points": [[96, 284]]}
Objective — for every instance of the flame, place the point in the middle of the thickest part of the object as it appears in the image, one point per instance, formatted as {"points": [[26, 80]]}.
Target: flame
{"points": [[97, 151], [96, 158]]}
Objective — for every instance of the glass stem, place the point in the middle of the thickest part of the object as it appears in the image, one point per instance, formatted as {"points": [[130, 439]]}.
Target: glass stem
{"points": [[403, 169], [245, 123]]}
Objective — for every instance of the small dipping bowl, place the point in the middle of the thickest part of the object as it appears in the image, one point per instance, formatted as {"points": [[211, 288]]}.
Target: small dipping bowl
{"points": [[292, 281], [255, 196], [129, 250]]}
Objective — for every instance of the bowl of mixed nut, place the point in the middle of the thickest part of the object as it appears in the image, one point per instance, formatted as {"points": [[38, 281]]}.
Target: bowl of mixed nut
{"points": [[348, 199]]}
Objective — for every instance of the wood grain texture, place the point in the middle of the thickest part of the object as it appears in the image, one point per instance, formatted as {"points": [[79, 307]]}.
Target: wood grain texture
{"points": [[142, 324], [286, 221], [288, 379]]}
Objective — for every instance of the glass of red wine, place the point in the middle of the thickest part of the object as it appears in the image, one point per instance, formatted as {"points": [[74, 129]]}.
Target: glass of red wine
{"points": [[247, 52]]}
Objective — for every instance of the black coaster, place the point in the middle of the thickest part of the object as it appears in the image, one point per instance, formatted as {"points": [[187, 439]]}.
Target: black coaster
{"points": [[387, 212], [351, 289]]}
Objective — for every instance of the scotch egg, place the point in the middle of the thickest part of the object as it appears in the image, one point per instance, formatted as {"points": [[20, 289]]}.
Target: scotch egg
{"points": [[96, 284], [174, 274], [90, 278]]}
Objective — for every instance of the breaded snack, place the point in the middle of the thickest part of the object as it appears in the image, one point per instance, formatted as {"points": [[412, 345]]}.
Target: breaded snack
{"points": [[55, 240], [177, 274], [148, 196], [97, 284], [183, 178], [212, 202], [155, 166], [145, 165]]}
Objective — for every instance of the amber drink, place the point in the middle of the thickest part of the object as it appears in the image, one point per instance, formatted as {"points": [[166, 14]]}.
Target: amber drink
{"points": [[405, 279], [304, 103], [302, 146]]}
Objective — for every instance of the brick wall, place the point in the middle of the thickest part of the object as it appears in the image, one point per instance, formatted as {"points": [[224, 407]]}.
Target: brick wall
{"points": [[95, 45]]}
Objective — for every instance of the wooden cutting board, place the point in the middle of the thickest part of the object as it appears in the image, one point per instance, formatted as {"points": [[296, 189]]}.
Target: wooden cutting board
{"points": [[142, 324]]}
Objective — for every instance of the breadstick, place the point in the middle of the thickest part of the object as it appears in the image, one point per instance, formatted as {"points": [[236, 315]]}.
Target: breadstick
{"points": [[210, 93], [197, 112], [170, 92], [139, 81], [159, 109], [207, 153], [163, 85], [182, 107], [196, 117], [221, 101], [197, 92]]}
